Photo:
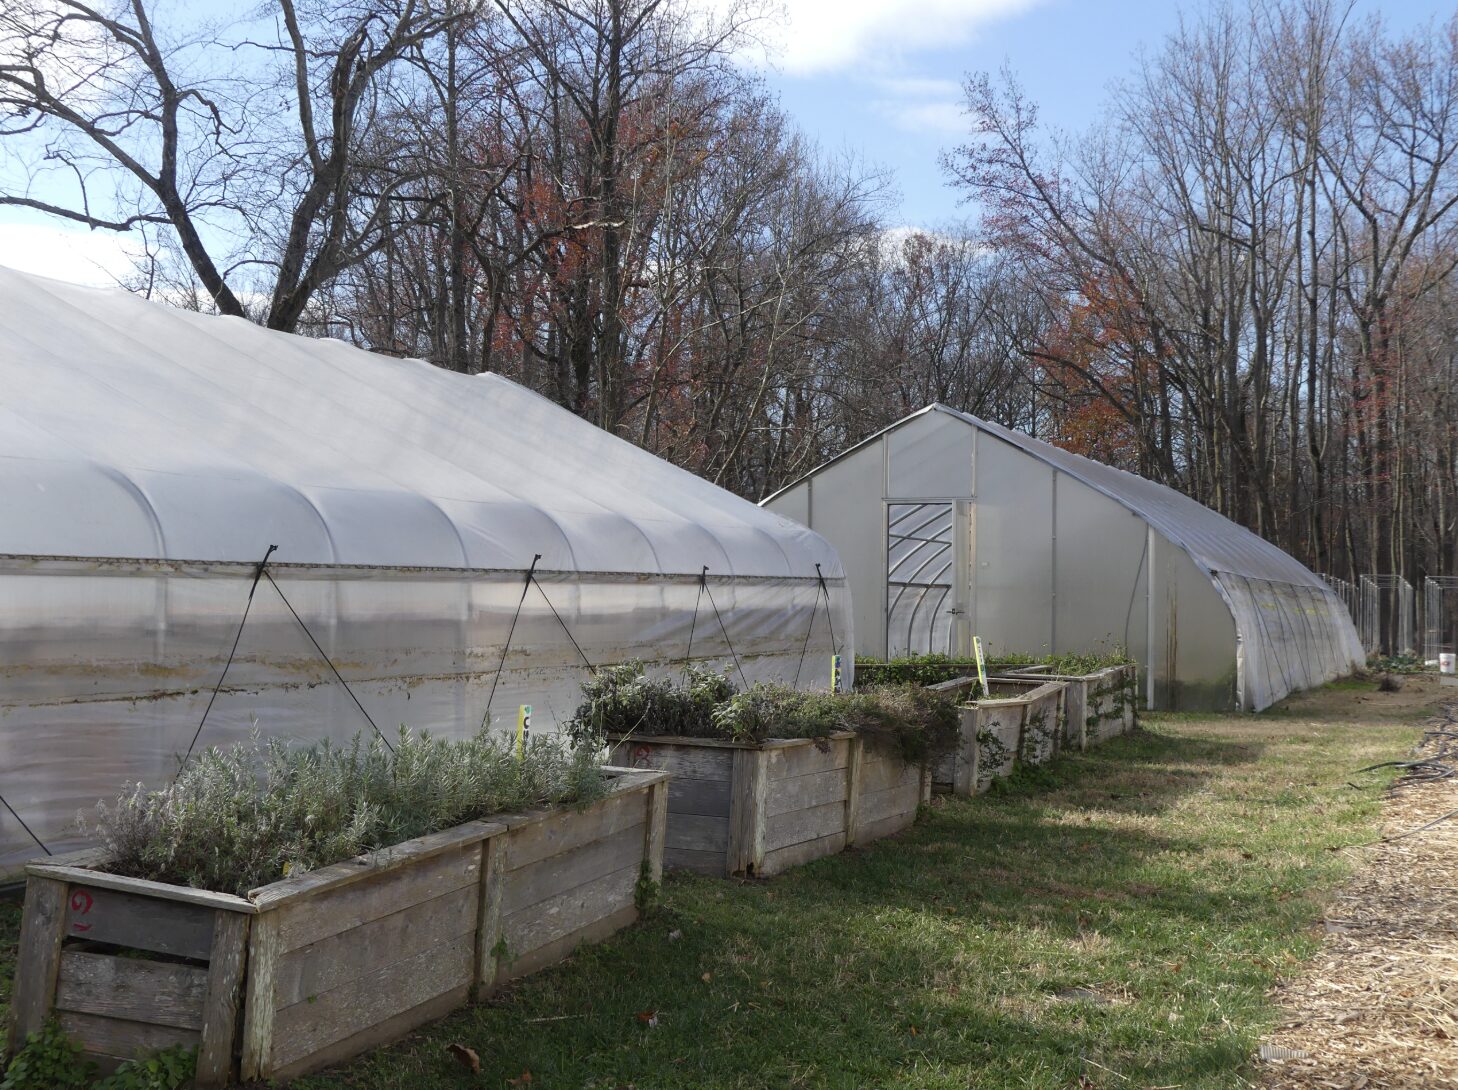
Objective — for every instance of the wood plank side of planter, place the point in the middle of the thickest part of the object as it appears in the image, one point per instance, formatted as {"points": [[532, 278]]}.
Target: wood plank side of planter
{"points": [[708, 863], [530, 929], [807, 788], [378, 1035], [891, 792], [139, 921], [700, 795], [110, 1039], [309, 971], [816, 789], [558, 949], [355, 954], [540, 907], [258, 999], [805, 851], [132, 989], [356, 1007], [337, 910], [72, 872], [559, 831], [536, 882], [656, 834]]}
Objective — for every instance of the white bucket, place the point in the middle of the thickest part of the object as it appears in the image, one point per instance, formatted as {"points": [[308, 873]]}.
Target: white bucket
{"points": [[1447, 662]]}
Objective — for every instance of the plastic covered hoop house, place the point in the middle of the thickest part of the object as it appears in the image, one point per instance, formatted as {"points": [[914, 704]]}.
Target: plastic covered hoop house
{"points": [[148, 458], [949, 526]]}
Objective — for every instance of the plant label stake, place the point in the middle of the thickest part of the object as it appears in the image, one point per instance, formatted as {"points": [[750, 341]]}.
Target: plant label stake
{"points": [[981, 664], [835, 665], [523, 730]]}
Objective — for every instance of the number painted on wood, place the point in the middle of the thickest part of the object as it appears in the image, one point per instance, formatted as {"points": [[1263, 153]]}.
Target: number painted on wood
{"points": [[81, 903]]}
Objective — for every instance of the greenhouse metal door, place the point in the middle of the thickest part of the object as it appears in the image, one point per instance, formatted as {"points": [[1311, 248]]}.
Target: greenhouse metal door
{"points": [[926, 608]]}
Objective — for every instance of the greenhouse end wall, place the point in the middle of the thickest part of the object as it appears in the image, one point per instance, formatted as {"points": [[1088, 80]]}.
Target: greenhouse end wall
{"points": [[1056, 553]]}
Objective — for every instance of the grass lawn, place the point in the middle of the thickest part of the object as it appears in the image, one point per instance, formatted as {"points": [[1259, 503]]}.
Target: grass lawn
{"points": [[1171, 876]]}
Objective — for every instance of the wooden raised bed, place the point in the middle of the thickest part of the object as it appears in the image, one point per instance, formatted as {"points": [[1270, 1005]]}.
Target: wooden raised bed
{"points": [[741, 809], [1100, 705], [1020, 721], [315, 969]]}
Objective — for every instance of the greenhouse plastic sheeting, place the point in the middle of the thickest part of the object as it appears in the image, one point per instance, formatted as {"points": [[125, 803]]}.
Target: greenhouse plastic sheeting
{"points": [[1218, 616], [148, 458]]}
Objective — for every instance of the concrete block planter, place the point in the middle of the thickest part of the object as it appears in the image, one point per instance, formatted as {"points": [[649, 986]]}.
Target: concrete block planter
{"points": [[1020, 721], [1100, 705], [320, 967], [742, 809]]}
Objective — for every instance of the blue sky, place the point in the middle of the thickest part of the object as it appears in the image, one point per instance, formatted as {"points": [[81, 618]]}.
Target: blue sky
{"points": [[887, 87], [877, 78]]}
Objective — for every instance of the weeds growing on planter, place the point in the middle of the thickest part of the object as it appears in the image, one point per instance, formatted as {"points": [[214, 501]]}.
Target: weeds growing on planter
{"points": [[621, 700], [933, 669], [243, 817], [50, 1060], [1077, 665], [929, 669]]}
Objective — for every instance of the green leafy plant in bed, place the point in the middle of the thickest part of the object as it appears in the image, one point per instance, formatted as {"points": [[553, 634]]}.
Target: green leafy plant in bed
{"points": [[50, 1060], [1079, 664], [240, 818], [622, 700]]}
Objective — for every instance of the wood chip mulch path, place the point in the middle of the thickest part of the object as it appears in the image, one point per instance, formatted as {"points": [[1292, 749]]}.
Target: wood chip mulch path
{"points": [[1378, 1006]]}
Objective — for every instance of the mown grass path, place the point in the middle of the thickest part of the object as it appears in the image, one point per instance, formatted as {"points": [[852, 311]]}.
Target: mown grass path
{"points": [[1161, 884]]}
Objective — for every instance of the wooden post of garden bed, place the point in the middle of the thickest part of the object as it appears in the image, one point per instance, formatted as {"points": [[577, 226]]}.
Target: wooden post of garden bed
{"points": [[747, 811], [224, 992], [495, 862], [42, 929], [263, 949], [656, 833], [853, 790]]}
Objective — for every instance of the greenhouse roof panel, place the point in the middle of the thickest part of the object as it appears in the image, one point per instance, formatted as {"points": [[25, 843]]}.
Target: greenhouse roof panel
{"points": [[134, 429], [1214, 541]]}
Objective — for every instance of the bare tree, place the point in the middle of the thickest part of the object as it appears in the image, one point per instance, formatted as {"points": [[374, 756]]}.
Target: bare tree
{"points": [[259, 155]]}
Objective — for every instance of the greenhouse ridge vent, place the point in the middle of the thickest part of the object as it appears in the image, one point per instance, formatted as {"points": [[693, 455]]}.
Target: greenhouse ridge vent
{"points": [[150, 455], [951, 526]]}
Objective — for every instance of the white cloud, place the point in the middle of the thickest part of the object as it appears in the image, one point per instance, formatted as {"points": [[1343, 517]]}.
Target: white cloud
{"points": [[928, 107], [827, 35], [96, 258]]}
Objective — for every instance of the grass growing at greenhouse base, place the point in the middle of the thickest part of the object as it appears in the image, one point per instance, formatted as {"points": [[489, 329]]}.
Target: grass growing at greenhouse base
{"points": [[1116, 917]]}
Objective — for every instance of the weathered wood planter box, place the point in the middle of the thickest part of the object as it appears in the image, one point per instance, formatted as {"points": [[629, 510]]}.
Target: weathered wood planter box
{"points": [[1100, 705], [317, 968], [1020, 721], [741, 809]]}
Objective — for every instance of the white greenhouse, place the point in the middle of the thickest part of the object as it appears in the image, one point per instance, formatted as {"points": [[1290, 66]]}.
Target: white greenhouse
{"points": [[149, 457], [950, 526]]}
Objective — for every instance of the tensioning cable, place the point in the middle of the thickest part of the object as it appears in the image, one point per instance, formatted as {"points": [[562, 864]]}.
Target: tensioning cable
{"points": [[694, 622], [543, 592], [505, 647], [704, 582], [252, 589], [810, 629], [329, 662], [24, 826]]}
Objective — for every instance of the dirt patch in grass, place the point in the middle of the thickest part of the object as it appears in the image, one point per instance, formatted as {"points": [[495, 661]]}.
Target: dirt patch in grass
{"points": [[1378, 1006], [1358, 700]]}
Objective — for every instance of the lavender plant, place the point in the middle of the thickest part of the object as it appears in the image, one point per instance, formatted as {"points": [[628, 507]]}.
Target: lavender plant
{"points": [[241, 817]]}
